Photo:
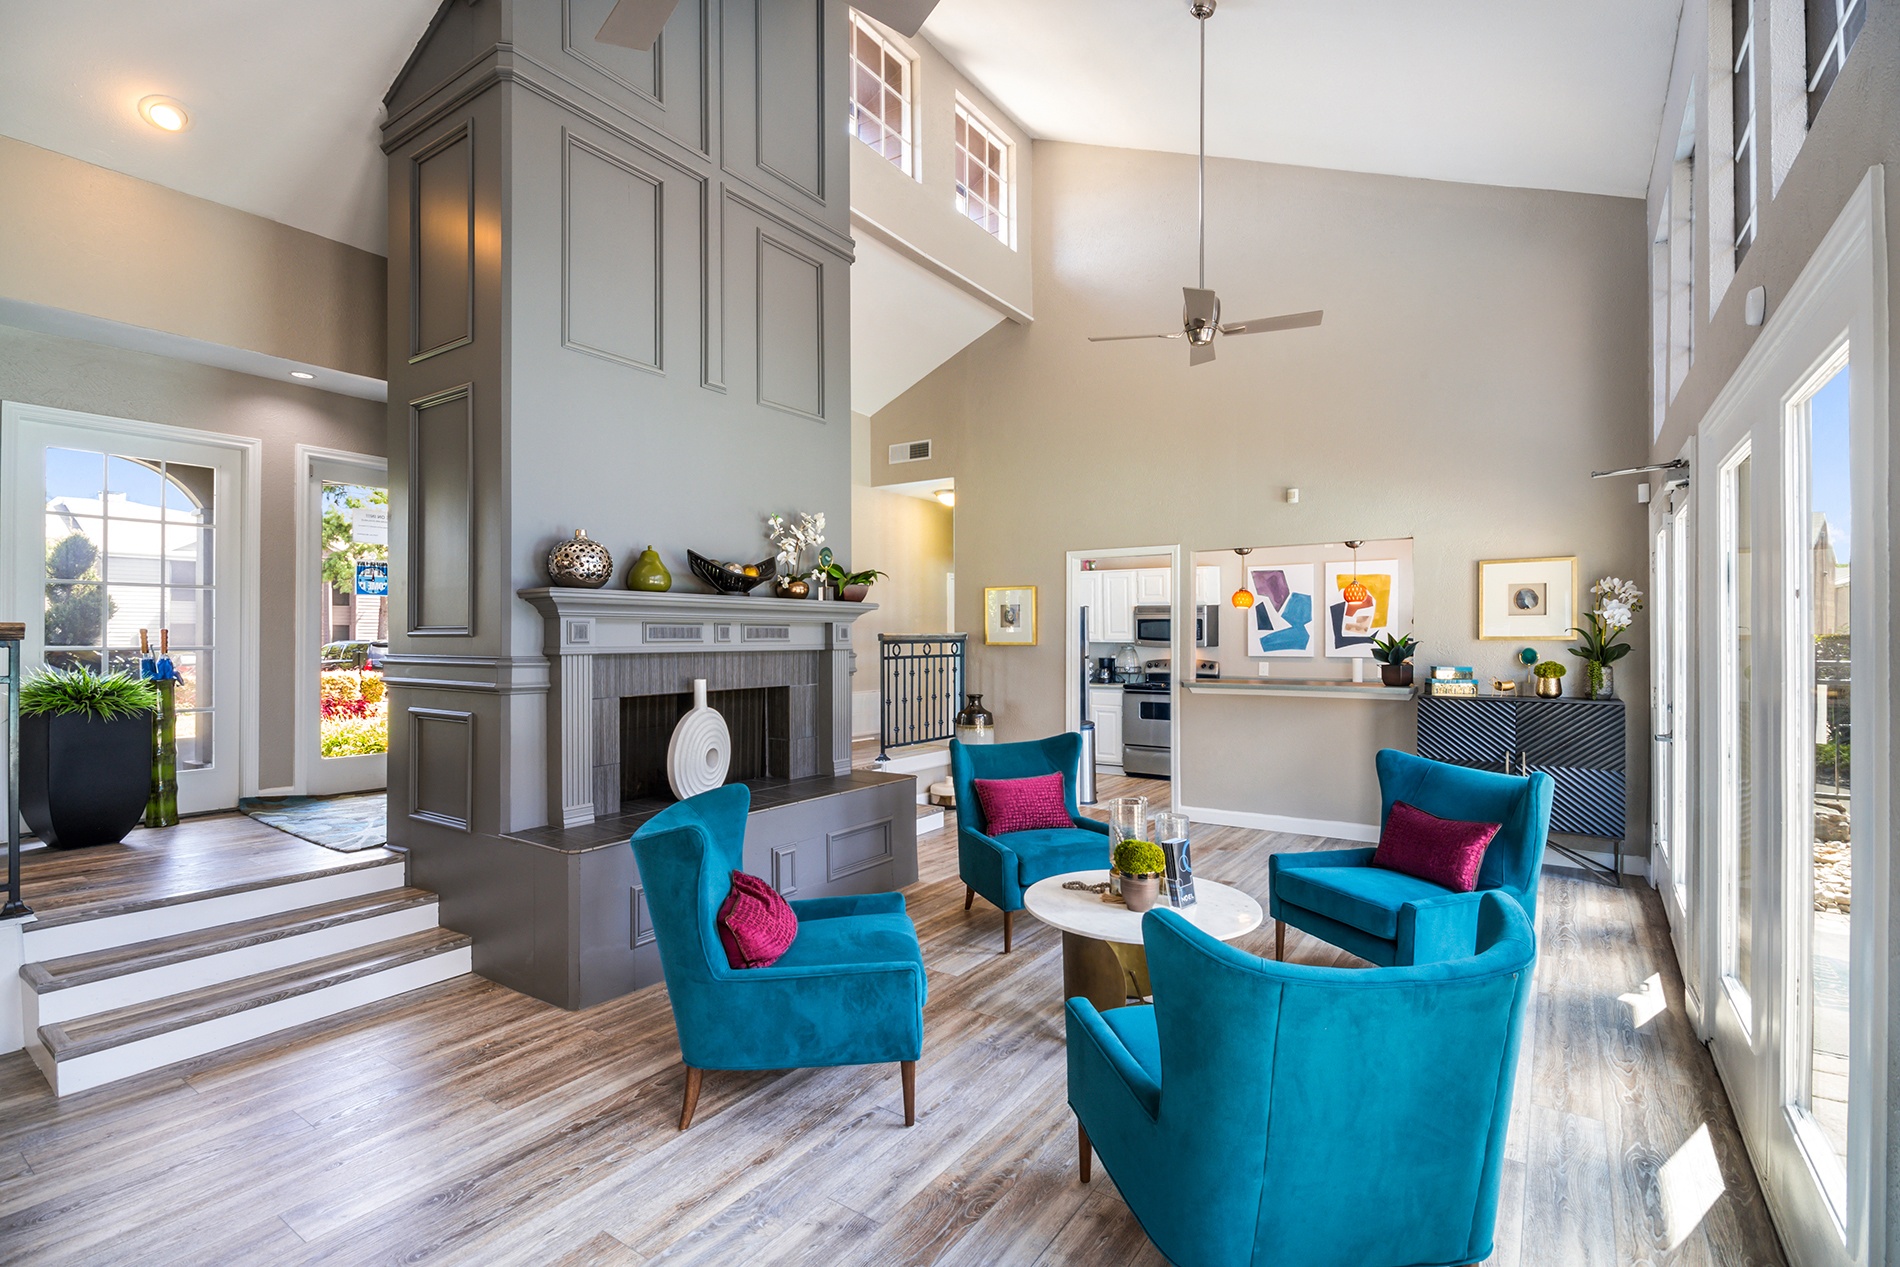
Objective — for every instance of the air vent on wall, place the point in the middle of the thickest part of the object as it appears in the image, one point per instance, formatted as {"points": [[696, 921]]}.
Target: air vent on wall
{"points": [[675, 633], [912, 451], [768, 633]]}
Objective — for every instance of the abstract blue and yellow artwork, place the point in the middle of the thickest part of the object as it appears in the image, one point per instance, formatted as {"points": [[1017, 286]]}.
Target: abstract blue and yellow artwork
{"points": [[1282, 620]]}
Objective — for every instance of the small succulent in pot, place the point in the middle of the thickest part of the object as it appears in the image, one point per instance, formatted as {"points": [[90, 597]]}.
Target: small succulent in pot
{"points": [[1140, 863], [1392, 654]]}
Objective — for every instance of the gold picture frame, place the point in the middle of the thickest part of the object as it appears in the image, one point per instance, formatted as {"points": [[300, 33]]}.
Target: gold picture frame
{"points": [[1009, 616], [1527, 600]]}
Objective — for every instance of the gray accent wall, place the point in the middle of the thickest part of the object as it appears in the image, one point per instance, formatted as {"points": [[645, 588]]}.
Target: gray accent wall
{"points": [[619, 301], [1483, 350]]}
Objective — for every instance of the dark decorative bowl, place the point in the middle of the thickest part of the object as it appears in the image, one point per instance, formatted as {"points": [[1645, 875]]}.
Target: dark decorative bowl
{"points": [[726, 581]]}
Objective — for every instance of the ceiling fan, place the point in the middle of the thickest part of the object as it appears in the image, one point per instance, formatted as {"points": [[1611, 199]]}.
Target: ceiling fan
{"points": [[637, 23], [1200, 313]]}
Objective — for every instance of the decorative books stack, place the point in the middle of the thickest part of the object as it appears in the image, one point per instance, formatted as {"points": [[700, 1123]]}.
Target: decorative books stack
{"points": [[1453, 679]]}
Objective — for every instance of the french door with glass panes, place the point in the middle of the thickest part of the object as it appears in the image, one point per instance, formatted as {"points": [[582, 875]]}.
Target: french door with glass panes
{"points": [[114, 527], [1795, 755], [1673, 855]]}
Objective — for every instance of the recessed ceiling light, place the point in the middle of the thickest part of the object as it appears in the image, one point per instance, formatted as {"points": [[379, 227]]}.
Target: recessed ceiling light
{"points": [[303, 374], [948, 496], [167, 114]]}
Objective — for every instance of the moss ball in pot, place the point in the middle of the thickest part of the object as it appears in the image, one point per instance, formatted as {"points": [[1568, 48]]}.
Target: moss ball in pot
{"points": [[85, 755], [1140, 864]]}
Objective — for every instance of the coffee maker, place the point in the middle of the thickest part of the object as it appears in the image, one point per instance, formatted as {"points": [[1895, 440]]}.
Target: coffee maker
{"points": [[1104, 669]]}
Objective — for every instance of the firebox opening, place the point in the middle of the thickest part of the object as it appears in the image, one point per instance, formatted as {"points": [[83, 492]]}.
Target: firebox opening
{"points": [[758, 717]]}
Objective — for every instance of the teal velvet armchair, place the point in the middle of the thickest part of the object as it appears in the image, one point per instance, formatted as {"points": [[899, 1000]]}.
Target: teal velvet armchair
{"points": [[1390, 918], [999, 868], [849, 991], [1262, 1112]]}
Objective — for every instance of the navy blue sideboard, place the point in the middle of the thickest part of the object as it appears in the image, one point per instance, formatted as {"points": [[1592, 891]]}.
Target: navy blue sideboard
{"points": [[1578, 743]]}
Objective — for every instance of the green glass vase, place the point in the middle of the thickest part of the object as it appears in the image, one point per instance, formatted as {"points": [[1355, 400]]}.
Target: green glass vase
{"points": [[162, 809], [648, 573]]}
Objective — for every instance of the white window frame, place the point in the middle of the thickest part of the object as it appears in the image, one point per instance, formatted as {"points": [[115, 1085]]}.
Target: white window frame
{"points": [[22, 545], [1006, 213], [907, 160], [1834, 56], [1747, 148], [315, 775]]}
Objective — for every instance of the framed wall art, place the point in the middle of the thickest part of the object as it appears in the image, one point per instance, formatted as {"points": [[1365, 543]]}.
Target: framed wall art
{"points": [[1527, 600], [1009, 615]]}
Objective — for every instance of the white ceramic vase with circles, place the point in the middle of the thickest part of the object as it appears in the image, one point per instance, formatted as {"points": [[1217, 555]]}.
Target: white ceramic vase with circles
{"points": [[700, 751]]}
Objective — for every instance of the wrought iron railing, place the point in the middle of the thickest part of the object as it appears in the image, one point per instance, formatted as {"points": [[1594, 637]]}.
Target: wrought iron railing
{"points": [[920, 687], [11, 636]]}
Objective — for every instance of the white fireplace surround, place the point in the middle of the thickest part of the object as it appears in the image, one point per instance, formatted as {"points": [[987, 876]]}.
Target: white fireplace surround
{"points": [[581, 624]]}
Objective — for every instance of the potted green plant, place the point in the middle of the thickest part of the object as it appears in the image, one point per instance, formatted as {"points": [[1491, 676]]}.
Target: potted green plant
{"points": [[1140, 864], [1550, 679], [85, 755], [851, 586], [1618, 601], [1392, 655]]}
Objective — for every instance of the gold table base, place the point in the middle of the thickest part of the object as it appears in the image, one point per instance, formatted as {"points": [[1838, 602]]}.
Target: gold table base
{"points": [[1107, 973]]}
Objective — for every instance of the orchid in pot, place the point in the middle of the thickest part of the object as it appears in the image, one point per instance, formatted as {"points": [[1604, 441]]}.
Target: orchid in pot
{"points": [[1617, 602]]}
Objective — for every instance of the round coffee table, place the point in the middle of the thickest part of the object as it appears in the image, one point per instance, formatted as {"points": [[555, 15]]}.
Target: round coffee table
{"points": [[1102, 956]]}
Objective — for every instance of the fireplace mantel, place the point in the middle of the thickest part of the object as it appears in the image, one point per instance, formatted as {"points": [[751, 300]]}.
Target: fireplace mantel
{"points": [[586, 629], [615, 621]]}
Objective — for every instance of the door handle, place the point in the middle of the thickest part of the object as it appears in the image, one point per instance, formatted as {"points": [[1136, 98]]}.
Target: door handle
{"points": [[1664, 738]]}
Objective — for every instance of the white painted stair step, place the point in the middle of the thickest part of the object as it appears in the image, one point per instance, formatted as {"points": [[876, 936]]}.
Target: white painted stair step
{"points": [[94, 1050], [123, 976], [100, 927]]}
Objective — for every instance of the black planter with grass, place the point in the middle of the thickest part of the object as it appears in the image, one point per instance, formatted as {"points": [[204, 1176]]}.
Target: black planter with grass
{"points": [[85, 756]]}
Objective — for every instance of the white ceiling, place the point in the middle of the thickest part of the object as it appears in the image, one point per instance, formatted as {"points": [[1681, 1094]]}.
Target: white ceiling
{"points": [[905, 322], [285, 97], [1548, 94]]}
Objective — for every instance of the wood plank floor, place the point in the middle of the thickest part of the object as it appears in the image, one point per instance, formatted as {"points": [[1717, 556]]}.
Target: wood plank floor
{"points": [[468, 1124], [152, 865]]}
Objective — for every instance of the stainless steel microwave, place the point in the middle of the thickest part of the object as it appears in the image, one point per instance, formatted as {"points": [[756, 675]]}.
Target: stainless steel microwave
{"points": [[1154, 626]]}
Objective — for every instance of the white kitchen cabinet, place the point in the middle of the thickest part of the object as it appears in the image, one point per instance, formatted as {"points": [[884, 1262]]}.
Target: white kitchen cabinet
{"points": [[1207, 586], [1154, 585], [1105, 710], [1117, 607], [1088, 597]]}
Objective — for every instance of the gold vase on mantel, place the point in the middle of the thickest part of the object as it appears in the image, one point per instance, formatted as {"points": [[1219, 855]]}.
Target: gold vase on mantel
{"points": [[1550, 687]]}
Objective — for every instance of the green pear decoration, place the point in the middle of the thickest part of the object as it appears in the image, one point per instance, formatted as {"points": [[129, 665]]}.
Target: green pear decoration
{"points": [[648, 573]]}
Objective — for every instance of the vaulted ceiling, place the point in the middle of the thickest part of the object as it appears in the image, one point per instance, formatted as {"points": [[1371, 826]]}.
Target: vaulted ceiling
{"points": [[285, 98], [1548, 94]]}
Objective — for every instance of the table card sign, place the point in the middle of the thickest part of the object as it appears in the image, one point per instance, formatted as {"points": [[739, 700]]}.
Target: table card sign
{"points": [[1171, 833]]}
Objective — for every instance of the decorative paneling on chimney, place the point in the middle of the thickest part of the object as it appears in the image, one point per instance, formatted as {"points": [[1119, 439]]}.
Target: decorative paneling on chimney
{"points": [[619, 301]]}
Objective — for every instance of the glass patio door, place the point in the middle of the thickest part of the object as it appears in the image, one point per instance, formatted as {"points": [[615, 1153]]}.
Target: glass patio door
{"points": [[1673, 860], [344, 716], [112, 529]]}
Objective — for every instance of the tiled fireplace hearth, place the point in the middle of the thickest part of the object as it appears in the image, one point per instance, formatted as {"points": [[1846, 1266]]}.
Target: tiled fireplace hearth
{"points": [[607, 645]]}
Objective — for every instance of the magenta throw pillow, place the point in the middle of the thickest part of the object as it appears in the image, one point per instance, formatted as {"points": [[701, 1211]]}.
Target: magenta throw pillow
{"points": [[1442, 850], [756, 925], [1033, 804]]}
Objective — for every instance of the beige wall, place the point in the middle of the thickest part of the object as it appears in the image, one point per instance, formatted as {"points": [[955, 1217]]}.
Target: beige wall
{"points": [[1483, 351], [919, 217], [43, 369], [83, 239]]}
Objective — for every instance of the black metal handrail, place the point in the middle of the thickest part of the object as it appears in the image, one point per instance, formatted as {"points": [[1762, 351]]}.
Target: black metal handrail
{"points": [[920, 687], [10, 637]]}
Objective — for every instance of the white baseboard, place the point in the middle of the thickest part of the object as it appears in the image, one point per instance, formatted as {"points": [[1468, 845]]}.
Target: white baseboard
{"points": [[1366, 832]]}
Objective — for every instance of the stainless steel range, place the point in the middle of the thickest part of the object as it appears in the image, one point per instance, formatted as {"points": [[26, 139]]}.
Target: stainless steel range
{"points": [[1148, 723]]}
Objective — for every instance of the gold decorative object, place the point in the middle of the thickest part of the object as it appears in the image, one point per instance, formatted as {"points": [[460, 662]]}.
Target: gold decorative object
{"points": [[1550, 687], [582, 563], [790, 587], [1503, 686]]}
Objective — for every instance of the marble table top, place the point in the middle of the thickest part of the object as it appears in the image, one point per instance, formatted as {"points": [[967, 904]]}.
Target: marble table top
{"points": [[1219, 909]]}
